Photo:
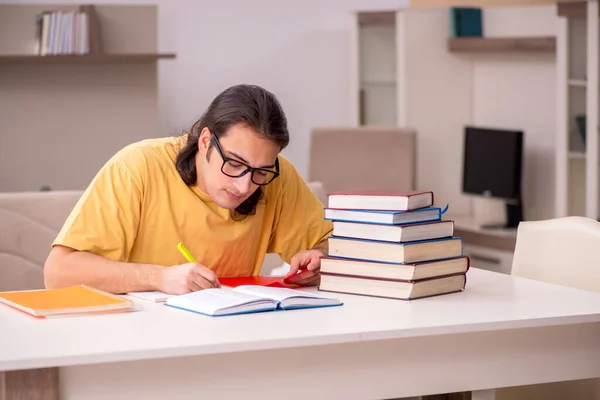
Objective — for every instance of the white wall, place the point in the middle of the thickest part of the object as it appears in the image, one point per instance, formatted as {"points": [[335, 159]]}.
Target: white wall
{"points": [[445, 91], [519, 92], [437, 103], [298, 49]]}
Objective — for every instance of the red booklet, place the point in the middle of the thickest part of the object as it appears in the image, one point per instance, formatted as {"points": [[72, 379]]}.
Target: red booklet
{"points": [[272, 281]]}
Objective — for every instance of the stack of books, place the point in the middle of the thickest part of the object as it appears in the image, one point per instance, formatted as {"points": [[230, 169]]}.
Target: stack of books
{"points": [[392, 245]]}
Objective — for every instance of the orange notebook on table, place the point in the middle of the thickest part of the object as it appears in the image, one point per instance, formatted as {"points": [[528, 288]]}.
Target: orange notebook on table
{"points": [[68, 300]]}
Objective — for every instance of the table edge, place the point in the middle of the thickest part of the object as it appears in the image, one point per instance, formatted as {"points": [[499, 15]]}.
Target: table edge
{"points": [[291, 342]]}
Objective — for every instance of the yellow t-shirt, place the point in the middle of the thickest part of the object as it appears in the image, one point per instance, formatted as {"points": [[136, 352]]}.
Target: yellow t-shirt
{"points": [[137, 209]]}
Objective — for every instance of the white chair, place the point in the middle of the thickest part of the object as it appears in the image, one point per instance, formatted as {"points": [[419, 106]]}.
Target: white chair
{"points": [[563, 251]]}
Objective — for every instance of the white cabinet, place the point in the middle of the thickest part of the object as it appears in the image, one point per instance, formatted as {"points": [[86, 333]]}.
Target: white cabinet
{"points": [[375, 51], [577, 92]]}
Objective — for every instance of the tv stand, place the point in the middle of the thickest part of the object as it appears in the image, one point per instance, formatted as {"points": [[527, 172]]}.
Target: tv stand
{"points": [[514, 215]]}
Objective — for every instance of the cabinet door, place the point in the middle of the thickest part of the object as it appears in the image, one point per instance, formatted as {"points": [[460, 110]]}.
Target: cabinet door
{"points": [[489, 259]]}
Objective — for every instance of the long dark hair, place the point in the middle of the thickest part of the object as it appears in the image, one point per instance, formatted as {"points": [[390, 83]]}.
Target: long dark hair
{"points": [[251, 105]]}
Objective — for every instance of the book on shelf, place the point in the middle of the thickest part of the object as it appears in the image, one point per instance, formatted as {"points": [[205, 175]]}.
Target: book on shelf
{"points": [[248, 299], [79, 299], [62, 33], [394, 233], [392, 288], [409, 252], [394, 271], [380, 200], [426, 214]]}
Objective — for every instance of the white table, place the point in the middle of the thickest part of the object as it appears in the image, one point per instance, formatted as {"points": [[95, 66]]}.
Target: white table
{"points": [[501, 331]]}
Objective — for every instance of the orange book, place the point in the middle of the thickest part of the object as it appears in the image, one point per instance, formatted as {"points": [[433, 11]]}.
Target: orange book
{"points": [[68, 300]]}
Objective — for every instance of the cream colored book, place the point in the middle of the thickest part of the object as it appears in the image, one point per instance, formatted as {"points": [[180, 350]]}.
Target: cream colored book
{"points": [[391, 252], [393, 289]]}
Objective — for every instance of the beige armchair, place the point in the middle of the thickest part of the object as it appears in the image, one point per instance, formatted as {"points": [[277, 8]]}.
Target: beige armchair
{"points": [[29, 222], [562, 251], [368, 158]]}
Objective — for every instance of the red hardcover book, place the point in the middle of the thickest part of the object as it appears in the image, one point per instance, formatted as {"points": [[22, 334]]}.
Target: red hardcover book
{"points": [[381, 200]]}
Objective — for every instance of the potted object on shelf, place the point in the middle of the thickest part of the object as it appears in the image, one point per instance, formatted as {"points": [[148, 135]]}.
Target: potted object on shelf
{"points": [[581, 123]]}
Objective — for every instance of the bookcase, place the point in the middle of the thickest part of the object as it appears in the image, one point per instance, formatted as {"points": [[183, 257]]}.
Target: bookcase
{"points": [[63, 116], [374, 57], [577, 110]]}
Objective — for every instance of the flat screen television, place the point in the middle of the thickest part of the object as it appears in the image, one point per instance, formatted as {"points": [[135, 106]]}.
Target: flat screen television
{"points": [[492, 167]]}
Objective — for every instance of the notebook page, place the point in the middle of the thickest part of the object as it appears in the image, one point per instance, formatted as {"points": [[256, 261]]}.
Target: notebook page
{"points": [[210, 301], [278, 294]]}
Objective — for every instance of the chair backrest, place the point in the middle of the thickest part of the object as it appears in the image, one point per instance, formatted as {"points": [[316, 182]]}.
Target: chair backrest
{"points": [[368, 158], [319, 190], [563, 251], [29, 222]]}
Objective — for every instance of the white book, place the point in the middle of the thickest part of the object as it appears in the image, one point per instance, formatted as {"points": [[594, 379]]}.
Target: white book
{"points": [[379, 200], [248, 299], [153, 296], [84, 45], [394, 233]]}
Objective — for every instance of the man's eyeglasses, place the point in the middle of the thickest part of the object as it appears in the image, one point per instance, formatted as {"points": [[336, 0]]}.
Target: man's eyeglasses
{"points": [[235, 168]]}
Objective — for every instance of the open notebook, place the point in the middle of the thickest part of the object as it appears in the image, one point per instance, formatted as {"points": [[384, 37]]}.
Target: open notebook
{"points": [[273, 281], [248, 299]]}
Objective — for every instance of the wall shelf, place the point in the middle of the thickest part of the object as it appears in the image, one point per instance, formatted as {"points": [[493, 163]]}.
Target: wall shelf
{"points": [[83, 59], [577, 9], [486, 3], [578, 83], [502, 45]]}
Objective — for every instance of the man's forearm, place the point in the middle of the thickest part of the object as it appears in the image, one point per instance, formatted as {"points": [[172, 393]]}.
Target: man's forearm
{"points": [[323, 247], [67, 267]]}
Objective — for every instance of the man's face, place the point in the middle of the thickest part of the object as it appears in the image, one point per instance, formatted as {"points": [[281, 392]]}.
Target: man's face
{"points": [[242, 145]]}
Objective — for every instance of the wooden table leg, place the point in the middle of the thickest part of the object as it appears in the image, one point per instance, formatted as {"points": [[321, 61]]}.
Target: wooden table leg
{"points": [[32, 384]]}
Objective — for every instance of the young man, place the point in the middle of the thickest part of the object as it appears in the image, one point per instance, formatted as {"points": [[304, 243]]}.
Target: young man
{"points": [[223, 190]]}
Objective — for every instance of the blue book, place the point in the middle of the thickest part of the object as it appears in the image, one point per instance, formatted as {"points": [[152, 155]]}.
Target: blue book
{"points": [[428, 214], [391, 252], [247, 299]]}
